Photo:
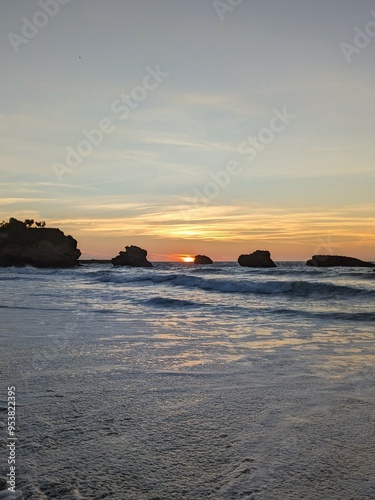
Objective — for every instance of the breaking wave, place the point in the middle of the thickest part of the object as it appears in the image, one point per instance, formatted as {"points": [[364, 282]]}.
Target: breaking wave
{"points": [[241, 286]]}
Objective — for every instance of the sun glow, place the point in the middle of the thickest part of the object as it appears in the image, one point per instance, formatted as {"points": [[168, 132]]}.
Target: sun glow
{"points": [[187, 259]]}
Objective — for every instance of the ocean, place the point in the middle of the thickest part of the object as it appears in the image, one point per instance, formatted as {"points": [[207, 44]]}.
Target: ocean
{"points": [[189, 382]]}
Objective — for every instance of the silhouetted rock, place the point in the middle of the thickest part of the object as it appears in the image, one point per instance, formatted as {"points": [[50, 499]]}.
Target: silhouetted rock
{"points": [[336, 260], [259, 258], [133, 256], [202, 259], [22, 245]]}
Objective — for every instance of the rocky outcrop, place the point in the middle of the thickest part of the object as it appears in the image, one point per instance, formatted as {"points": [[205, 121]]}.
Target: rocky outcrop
{"points": [[336, 260], [133, 256], [202, 259], [21, 245], [259, 258]]}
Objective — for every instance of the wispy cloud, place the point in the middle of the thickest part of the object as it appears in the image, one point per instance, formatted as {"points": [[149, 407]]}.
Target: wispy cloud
{"points": [[228, 223], [179, 140]]}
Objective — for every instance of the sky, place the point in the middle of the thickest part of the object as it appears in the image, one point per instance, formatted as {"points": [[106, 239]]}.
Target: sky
{"points": [[191, 126]]}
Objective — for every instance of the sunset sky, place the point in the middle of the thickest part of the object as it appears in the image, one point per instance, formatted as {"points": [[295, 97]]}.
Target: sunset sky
{"points": [[183, 91]]}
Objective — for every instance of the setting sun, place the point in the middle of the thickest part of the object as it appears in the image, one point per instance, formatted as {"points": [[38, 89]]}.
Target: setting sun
{"points": [[187, 259]]}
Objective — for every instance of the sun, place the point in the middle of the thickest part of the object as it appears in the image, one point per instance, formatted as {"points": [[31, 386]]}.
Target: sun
{"points": [[188, 259]]}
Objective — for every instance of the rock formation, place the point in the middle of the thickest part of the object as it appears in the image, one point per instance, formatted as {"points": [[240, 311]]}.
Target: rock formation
{"points": [[260, 258], [202, 259], [21, 245], [133, 256], [336, 260]]}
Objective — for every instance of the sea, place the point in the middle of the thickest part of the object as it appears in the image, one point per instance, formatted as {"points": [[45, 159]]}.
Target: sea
{"points": [[188, 382]]}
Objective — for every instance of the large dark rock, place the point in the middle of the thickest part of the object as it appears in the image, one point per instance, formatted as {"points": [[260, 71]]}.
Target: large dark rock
{"points": [[336, 260], [202, 259], [259, 258], [22, 245], [133, 256]]}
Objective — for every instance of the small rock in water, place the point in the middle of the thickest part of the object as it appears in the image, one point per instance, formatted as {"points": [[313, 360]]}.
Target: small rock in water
{"points": [[337, 260], [133, 256], [202, 259], [259, 258]]}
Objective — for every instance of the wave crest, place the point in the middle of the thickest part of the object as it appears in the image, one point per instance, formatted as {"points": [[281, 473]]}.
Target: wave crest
{"points": [[293, 287]]}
